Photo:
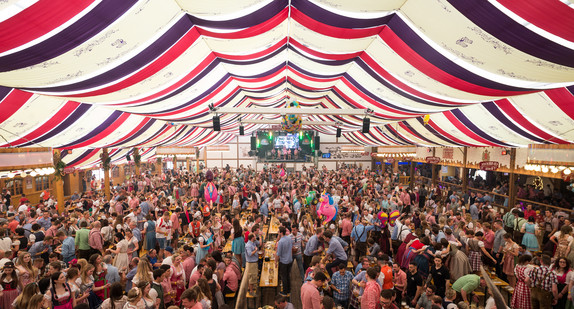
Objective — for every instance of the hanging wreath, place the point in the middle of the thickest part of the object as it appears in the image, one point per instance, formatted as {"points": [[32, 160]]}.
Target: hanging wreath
{"points": [[59, 166], [106, 160], [137, 158]]}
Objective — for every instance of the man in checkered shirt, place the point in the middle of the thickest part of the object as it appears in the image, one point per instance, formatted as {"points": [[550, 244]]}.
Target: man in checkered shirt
{"points": [[544, 285]]}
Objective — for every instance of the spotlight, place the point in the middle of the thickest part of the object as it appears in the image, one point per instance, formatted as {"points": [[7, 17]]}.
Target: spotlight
{"points": [[241, 130], [216, 124], [338, 132], [366, 125]]}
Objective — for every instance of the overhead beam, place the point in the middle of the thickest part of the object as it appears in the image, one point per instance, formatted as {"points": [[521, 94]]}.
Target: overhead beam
{"points": [[304, 122], [292, 111]]}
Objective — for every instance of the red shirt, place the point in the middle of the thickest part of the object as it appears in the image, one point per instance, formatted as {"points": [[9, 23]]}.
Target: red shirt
{"points": [[529, 213]]}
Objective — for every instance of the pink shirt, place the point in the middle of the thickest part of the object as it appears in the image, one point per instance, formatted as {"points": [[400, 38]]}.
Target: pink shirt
{"points": [[310, 298], [174, 221], [188, 266], [193, 278], [488, 239], [347, 227], [370, 298], [230, 278], [400, 278]]}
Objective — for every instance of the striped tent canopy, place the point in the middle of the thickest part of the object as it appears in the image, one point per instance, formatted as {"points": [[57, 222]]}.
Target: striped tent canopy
{"points": [[121, 74]]}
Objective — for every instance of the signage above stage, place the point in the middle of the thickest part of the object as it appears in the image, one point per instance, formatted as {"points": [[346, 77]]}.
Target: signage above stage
{"points": [[432, 160], [489, 165]]}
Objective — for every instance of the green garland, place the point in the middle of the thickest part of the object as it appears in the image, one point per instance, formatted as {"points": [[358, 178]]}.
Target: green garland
{"points": [[137, 159], [106, 161]]}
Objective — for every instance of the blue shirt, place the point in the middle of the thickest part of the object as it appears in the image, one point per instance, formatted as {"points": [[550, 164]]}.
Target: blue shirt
{"points": [[37, 248], [113, 274], [251, 258], [137, 234], [264, 210], [312, 245], [341, 241], [45, 223], [343, 284], [130, 276], [284, 252], [297, 207], [360, 232], [68, 248], [474, 212], [337, 250]]}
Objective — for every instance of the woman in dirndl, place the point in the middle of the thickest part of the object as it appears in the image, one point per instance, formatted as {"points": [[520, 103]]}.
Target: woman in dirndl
{"points": [[60, 293], [529, 239], [10, 285], [101, 285], [521, 295]]}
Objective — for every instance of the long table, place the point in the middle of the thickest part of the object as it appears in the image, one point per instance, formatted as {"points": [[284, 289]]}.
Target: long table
{"points": [[269, 273]]}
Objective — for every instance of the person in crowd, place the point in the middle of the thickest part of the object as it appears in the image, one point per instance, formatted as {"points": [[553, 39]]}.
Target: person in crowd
{"points": [[371, 295], [425, 301], [544, 284], [440, 275], [284, 259], [117, 298], [414, 287], [510, 252], [281, 302], [341, 285], [562, 270], [310, 296], [465, 285]]}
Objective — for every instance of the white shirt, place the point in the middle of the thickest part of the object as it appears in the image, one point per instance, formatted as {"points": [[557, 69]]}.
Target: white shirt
{"points": [[5, 244]]}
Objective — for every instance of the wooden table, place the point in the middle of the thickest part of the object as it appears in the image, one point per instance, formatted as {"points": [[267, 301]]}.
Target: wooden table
{"points": [[274, 226], [227, 247], [269, 275]]}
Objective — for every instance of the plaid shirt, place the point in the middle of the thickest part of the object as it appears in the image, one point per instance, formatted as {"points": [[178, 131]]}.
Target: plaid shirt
{"points": [[343, 283], [543, 277]]}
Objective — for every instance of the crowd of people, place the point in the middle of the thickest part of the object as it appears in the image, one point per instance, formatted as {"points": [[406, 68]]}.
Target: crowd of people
{"points": [[158, 244]]}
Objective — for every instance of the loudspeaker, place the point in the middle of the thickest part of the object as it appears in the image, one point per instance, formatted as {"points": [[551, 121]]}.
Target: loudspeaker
{"points": [[317, 142], [216, 125], [241, 130], [253, 143], [338, 132], [128, 157], [366, 125]]}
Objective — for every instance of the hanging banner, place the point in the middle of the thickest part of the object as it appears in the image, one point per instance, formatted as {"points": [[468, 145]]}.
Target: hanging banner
{"points": [[489, 165], [432, 160], [69, 170]]}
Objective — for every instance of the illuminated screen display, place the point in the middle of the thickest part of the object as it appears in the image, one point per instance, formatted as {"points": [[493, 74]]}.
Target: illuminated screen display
{"points": [[289, 141]]}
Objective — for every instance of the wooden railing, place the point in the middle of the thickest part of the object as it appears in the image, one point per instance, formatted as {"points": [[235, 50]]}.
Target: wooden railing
{"points": [[499, 200]]}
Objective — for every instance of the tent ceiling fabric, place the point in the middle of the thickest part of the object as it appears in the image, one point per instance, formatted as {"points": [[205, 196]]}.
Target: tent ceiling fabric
{"points": [[121, 74]]}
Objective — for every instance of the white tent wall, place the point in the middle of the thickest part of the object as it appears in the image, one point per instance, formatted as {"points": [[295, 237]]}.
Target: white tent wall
{"points": [[237, 154]]}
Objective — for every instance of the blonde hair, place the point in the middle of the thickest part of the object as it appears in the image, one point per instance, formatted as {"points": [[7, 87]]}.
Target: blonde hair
{"points": [[134, 294], [84, 272], [36, 301], [27, 266], [143, 271]]}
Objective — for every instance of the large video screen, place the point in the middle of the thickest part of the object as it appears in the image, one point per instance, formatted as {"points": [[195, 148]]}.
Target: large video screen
{"points": [[289, 141]]}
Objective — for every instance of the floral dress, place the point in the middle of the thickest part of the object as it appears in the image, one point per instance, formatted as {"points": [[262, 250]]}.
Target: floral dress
{"points": [[521, 296]]}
